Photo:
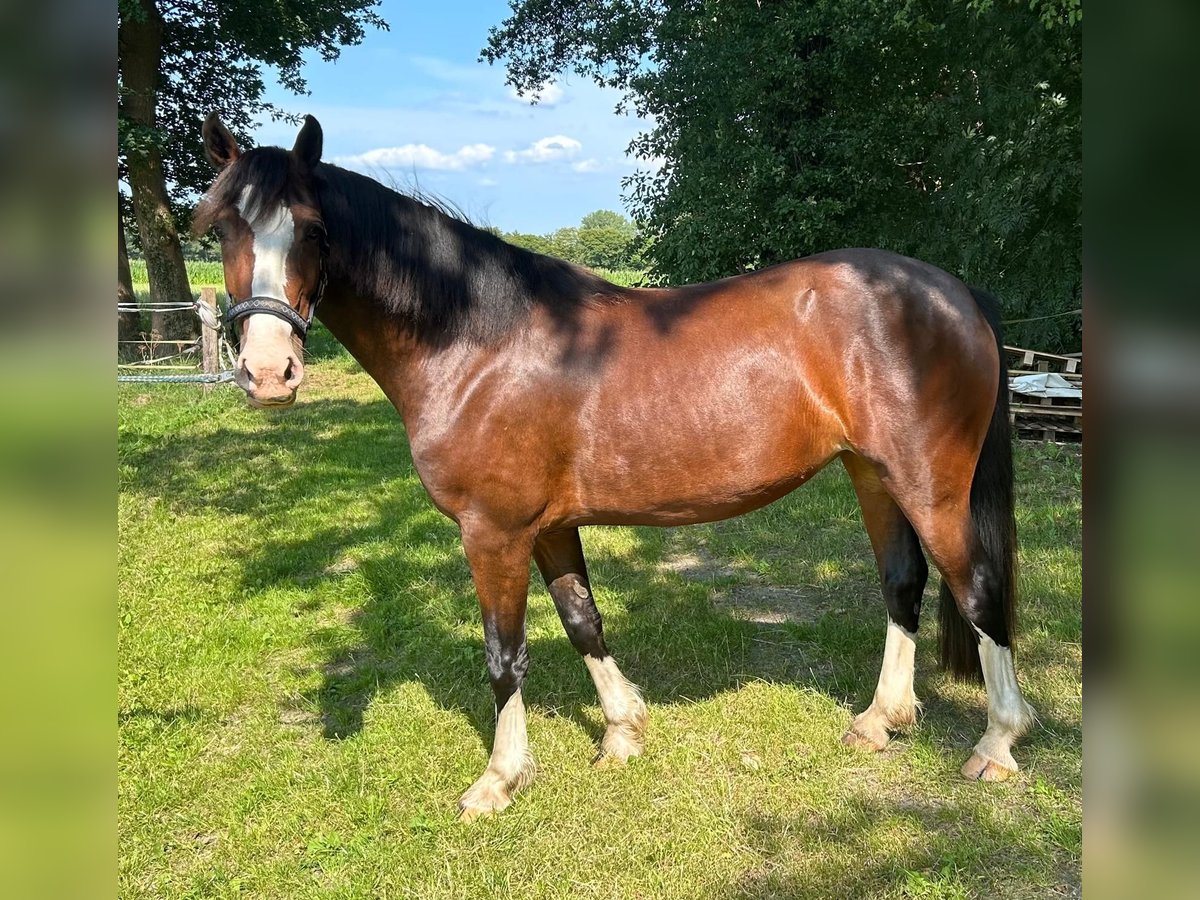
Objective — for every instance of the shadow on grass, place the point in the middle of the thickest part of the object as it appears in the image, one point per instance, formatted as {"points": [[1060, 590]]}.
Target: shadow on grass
{"points": [[853, 847], [288, 488]]}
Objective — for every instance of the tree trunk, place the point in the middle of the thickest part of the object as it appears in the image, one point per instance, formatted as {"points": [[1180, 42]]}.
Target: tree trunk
{"points": [[128, 323], [140, 52]]}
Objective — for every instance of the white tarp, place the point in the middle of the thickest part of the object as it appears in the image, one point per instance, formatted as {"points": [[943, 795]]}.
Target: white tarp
{"points": [[1044, 384]]}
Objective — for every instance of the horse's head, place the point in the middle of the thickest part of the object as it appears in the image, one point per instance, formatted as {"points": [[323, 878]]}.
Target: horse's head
{"points": [[263, 208]]}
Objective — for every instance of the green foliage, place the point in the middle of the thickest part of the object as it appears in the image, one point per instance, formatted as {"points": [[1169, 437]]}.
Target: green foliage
{"points": [[943, 129], [538, 243], [213, 56], [565, 242], [201, 273], [605, 246], [624, 277], [606, 218], [604, 240]]}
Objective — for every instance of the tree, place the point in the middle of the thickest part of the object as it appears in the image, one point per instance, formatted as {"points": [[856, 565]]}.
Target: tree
{"points": [[564, 243], [606, 240], [606, 218], [177, 60], [944, 129], [538, 243], [127, 320]]}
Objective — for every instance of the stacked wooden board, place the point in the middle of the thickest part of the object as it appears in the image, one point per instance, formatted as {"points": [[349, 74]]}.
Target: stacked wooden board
{"points": [[1057, 419]]}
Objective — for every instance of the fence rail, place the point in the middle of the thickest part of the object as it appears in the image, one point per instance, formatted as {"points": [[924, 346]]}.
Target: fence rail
{"points": [[207, 371]]}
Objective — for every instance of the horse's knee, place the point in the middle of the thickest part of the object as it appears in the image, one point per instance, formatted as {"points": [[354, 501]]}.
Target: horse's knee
{"points": [[507, 665], [904, 576]]}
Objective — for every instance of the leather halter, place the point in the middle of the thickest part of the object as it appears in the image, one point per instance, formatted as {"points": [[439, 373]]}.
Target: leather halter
{"points": [[272, 306]]}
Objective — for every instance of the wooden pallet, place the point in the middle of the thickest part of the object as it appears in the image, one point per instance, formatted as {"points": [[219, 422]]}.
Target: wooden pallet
{"points": [[1055, 419], [1023, 360]]}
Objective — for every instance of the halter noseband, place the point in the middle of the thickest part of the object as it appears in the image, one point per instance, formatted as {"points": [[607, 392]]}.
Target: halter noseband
{"points": [[273, 307]]}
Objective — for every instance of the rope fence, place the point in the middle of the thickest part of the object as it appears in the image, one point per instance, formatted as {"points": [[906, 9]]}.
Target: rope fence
{"points": [[1058, 315], [204, 378], [214, 349]]}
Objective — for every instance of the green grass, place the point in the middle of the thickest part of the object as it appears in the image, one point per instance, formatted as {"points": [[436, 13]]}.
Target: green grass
{"points": [[625, 277], [200, 274], [302, 693]]}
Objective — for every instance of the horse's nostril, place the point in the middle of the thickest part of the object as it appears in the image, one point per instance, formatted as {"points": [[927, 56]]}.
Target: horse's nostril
{"points": [[287, 373]]}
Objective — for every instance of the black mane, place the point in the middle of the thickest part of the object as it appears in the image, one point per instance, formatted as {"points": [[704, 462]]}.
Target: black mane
{"points": [[444, 277]]}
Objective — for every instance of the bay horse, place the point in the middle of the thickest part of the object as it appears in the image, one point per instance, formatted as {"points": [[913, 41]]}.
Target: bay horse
{"points": [[539, 398]]}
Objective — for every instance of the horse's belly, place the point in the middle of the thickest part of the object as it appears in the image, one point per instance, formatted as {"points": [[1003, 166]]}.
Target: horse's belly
{"points": [[684, 476], [674, 442], [680, 503]]}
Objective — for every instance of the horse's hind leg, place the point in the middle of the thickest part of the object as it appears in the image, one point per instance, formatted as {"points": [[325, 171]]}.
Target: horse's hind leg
{"points": [[902, 574], [978, 614], [559, 556]]}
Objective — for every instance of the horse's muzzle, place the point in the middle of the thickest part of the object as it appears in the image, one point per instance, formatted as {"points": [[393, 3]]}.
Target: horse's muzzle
{"points": [[271, 384]]}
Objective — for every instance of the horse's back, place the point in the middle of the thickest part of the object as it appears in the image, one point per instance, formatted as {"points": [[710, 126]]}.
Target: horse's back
{"points": [[727, 395]]}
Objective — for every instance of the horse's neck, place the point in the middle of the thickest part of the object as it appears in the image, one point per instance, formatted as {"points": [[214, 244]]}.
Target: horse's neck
{"points": [[403, 366], [381, 346]]}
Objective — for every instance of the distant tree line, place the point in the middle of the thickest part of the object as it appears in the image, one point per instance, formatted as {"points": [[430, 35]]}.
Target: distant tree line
{"points": [[603, 240]]}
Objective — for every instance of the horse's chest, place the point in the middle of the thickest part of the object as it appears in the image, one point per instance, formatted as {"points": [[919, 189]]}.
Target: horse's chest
{"points": [[502, 469]]}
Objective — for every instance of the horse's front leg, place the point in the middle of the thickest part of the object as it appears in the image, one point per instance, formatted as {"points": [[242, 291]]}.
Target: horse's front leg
{"points": [[500, 566]]}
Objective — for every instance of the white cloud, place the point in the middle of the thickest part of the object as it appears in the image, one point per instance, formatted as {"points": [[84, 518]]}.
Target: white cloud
{"points": [[488, 182], [546, 149], [587, 165], [547, 95], [422, 156]]}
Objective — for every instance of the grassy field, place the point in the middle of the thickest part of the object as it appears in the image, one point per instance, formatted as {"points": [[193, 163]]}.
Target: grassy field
{"points": [[302, 693], [200, 274]]}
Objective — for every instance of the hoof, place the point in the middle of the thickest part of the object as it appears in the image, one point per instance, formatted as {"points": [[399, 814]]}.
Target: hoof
{"points": [[487, 796], [861, 741], [617, 748], [474, 805], [471, 813], [867, 732], [980, 768]]}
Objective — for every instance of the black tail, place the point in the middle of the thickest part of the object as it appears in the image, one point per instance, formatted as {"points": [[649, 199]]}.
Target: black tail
{"points": [[992, 511]]}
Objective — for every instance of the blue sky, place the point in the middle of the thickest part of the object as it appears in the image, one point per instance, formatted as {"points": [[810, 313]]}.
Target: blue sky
{"points": [[414, 104]]}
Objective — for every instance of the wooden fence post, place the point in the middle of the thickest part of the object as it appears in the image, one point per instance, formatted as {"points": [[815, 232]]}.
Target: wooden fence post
{"points": [[210, 352]]}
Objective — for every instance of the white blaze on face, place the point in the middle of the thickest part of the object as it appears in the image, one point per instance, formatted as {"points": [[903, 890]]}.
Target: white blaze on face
{"points": [[273, 235], [268, 368]]}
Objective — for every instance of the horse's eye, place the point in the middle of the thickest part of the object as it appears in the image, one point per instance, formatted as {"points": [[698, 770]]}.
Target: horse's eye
{"points": [[315, 232]]}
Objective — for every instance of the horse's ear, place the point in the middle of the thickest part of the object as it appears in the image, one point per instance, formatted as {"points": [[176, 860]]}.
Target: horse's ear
{"points": [[220, 146], [308, 143]]}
